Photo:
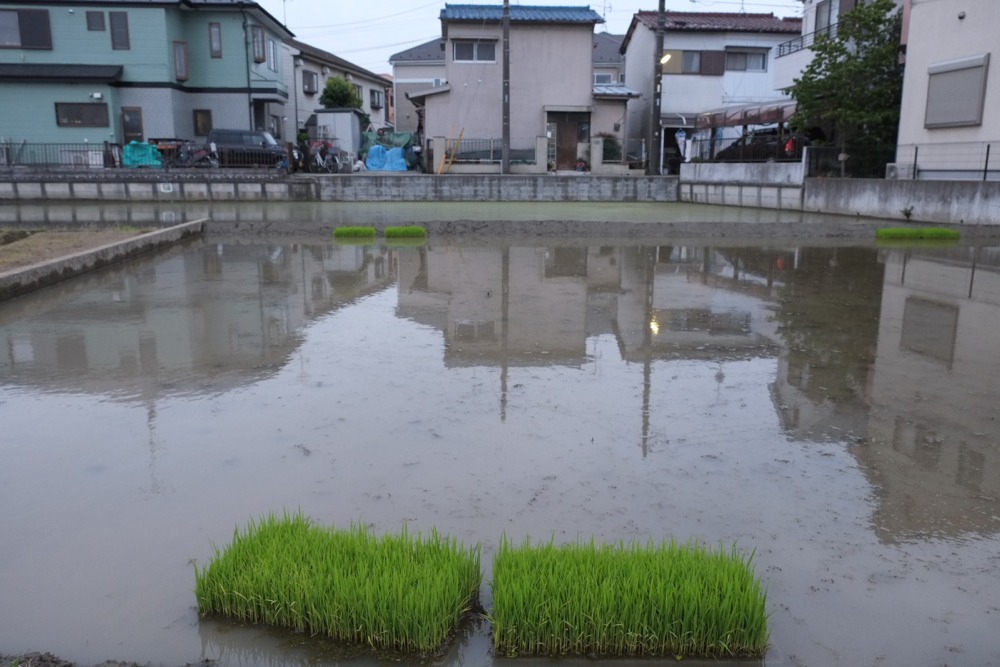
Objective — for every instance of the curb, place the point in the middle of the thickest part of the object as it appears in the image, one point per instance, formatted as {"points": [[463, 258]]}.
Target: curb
{"points": [[29, 278]]}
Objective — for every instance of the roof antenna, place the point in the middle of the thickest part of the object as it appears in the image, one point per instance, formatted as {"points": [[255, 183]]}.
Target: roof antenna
{"points": [[606, 9], [743, 9]]}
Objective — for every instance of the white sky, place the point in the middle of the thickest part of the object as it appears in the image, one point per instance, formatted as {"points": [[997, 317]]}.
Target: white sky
{"points": [[367, 32]]}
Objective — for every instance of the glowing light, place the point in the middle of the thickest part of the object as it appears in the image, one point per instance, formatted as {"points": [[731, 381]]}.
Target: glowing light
{"points": [[654, 326]]}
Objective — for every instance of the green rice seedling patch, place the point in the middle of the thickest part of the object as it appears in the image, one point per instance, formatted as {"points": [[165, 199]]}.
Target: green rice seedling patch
{"points": [[398, 592], [628, 599], [920, 233], [354, 233], [406, 232]]}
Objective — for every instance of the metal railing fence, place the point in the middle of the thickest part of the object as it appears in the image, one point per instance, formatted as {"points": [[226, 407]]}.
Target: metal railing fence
{"points": [[964, 161], [166, 154], [489, 151], [805, 41]]}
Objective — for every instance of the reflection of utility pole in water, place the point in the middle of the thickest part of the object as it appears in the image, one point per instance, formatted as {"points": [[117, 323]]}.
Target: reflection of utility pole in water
{"points": [[648, 259], [504, 311]]}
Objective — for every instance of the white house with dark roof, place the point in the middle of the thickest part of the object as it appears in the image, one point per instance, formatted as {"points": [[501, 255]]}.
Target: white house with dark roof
{"points": [[552, 89], [306, 72], [710, 61], [416, 69]]}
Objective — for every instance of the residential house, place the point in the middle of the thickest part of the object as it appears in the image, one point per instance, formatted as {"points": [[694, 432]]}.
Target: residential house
{"points": [[951, 93], [306, 73], [819, 18], [710, 61], [414, 70], [115, 71], [551, 82]]}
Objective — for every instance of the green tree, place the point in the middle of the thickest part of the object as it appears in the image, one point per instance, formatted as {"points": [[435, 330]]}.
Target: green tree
{"points": [[339, 93], [853, 86]]}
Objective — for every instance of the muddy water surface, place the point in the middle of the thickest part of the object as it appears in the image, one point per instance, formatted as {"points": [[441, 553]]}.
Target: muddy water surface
{"points": [[831, 408]]}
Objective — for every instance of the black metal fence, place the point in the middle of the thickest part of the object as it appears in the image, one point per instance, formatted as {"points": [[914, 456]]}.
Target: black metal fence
{"points": [[964, 161], [155, 154]]}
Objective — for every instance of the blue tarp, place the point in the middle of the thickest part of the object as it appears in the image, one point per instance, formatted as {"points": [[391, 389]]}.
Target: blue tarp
{"points": [[380, 159], [137, 154]]}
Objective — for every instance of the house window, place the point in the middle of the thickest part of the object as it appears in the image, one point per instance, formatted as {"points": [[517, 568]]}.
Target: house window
{"points": [[603, 78], [376, 98], [823, 15], [746, 61], [215, 39], [202, 122], [474, 51], [119, 31], [956, 91], [706, 63], [682, 62], [181, 61], [95, 21], [259, 55], [73, 114], [359, 91], [272, 55], [25, 29], [310, 83]]}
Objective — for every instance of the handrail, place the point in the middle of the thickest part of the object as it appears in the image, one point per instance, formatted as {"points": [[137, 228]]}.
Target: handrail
{"points": [[805, 41]]}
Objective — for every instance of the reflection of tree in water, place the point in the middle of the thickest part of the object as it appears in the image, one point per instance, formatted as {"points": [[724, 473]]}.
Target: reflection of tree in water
{"points": [[828, 315]]}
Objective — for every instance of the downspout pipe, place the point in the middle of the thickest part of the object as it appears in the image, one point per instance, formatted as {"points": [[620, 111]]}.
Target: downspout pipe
{"points": [[246, 58]]}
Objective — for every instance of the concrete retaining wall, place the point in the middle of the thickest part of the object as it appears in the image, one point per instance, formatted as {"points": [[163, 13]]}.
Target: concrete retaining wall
{"points": [[494, 187], [216, 186], [950, 202], [29, 278], [755, 173]]}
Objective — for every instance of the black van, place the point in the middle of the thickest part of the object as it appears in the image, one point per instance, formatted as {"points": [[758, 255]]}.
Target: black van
{"points": [[245, 148]]}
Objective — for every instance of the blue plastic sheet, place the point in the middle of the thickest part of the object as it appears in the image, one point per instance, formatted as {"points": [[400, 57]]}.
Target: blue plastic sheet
{"points": [[380, 159], [138, 154]]}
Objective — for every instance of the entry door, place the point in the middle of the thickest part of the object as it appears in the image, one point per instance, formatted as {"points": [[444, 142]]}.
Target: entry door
{"points": [[131, 124], [572, 128]]}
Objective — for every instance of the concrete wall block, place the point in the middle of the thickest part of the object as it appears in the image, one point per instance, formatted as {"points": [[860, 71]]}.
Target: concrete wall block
{"points": [[115, 191], [140, 191], [195, 191], [7, 191], [57, 191], [30, 191], [277, 191], [85, 191], [249, 191], [222, 191]]}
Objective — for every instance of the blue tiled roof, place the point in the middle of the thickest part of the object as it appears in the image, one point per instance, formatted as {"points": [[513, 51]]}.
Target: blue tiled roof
{"points": [[521, 14]]}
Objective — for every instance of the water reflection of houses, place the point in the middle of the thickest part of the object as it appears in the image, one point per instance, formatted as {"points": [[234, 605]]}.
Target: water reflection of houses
{"points": [[203, 320], [509, 306], [934, 445]]}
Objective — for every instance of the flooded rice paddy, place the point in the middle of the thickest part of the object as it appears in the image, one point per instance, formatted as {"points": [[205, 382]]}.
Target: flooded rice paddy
{"points": [[831, 406]]}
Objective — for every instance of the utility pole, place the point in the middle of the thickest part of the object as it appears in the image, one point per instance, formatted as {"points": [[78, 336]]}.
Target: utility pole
{"points": [[655, 141], [505, 145]]}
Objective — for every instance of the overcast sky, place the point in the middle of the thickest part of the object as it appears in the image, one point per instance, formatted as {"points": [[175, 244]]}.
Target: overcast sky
{"points": [[367, 32]]}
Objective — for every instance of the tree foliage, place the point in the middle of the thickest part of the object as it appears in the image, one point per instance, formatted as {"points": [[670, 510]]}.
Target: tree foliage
{"points": [[853, 85], [339, 93]]}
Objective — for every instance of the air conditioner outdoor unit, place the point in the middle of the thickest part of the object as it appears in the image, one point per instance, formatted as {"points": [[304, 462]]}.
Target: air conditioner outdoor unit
{"points": [[895, 171]]}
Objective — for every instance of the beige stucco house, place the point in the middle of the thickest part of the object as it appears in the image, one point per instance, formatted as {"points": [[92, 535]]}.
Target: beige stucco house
{"points": [[556, 107], [951, 93]]}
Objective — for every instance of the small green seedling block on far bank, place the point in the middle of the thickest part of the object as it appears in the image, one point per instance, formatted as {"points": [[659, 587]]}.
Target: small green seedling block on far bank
{"points": [[652, 600], [916, 233], [396, 592], [405, 232], [357, 233]]}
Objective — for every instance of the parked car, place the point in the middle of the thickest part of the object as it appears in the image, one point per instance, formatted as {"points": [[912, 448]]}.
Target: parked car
{"points": [[762, 146], [246, 148]]}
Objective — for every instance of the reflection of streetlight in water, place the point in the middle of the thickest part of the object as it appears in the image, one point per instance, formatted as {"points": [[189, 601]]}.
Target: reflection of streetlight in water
{"points": [[719, 378], [654, 327]]}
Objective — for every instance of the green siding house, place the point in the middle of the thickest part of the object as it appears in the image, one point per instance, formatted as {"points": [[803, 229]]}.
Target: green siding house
{"points": [[128, 70]]}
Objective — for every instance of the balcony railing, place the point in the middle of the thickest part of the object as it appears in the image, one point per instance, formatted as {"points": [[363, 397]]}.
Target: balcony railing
{"points": [[805, 41]]}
